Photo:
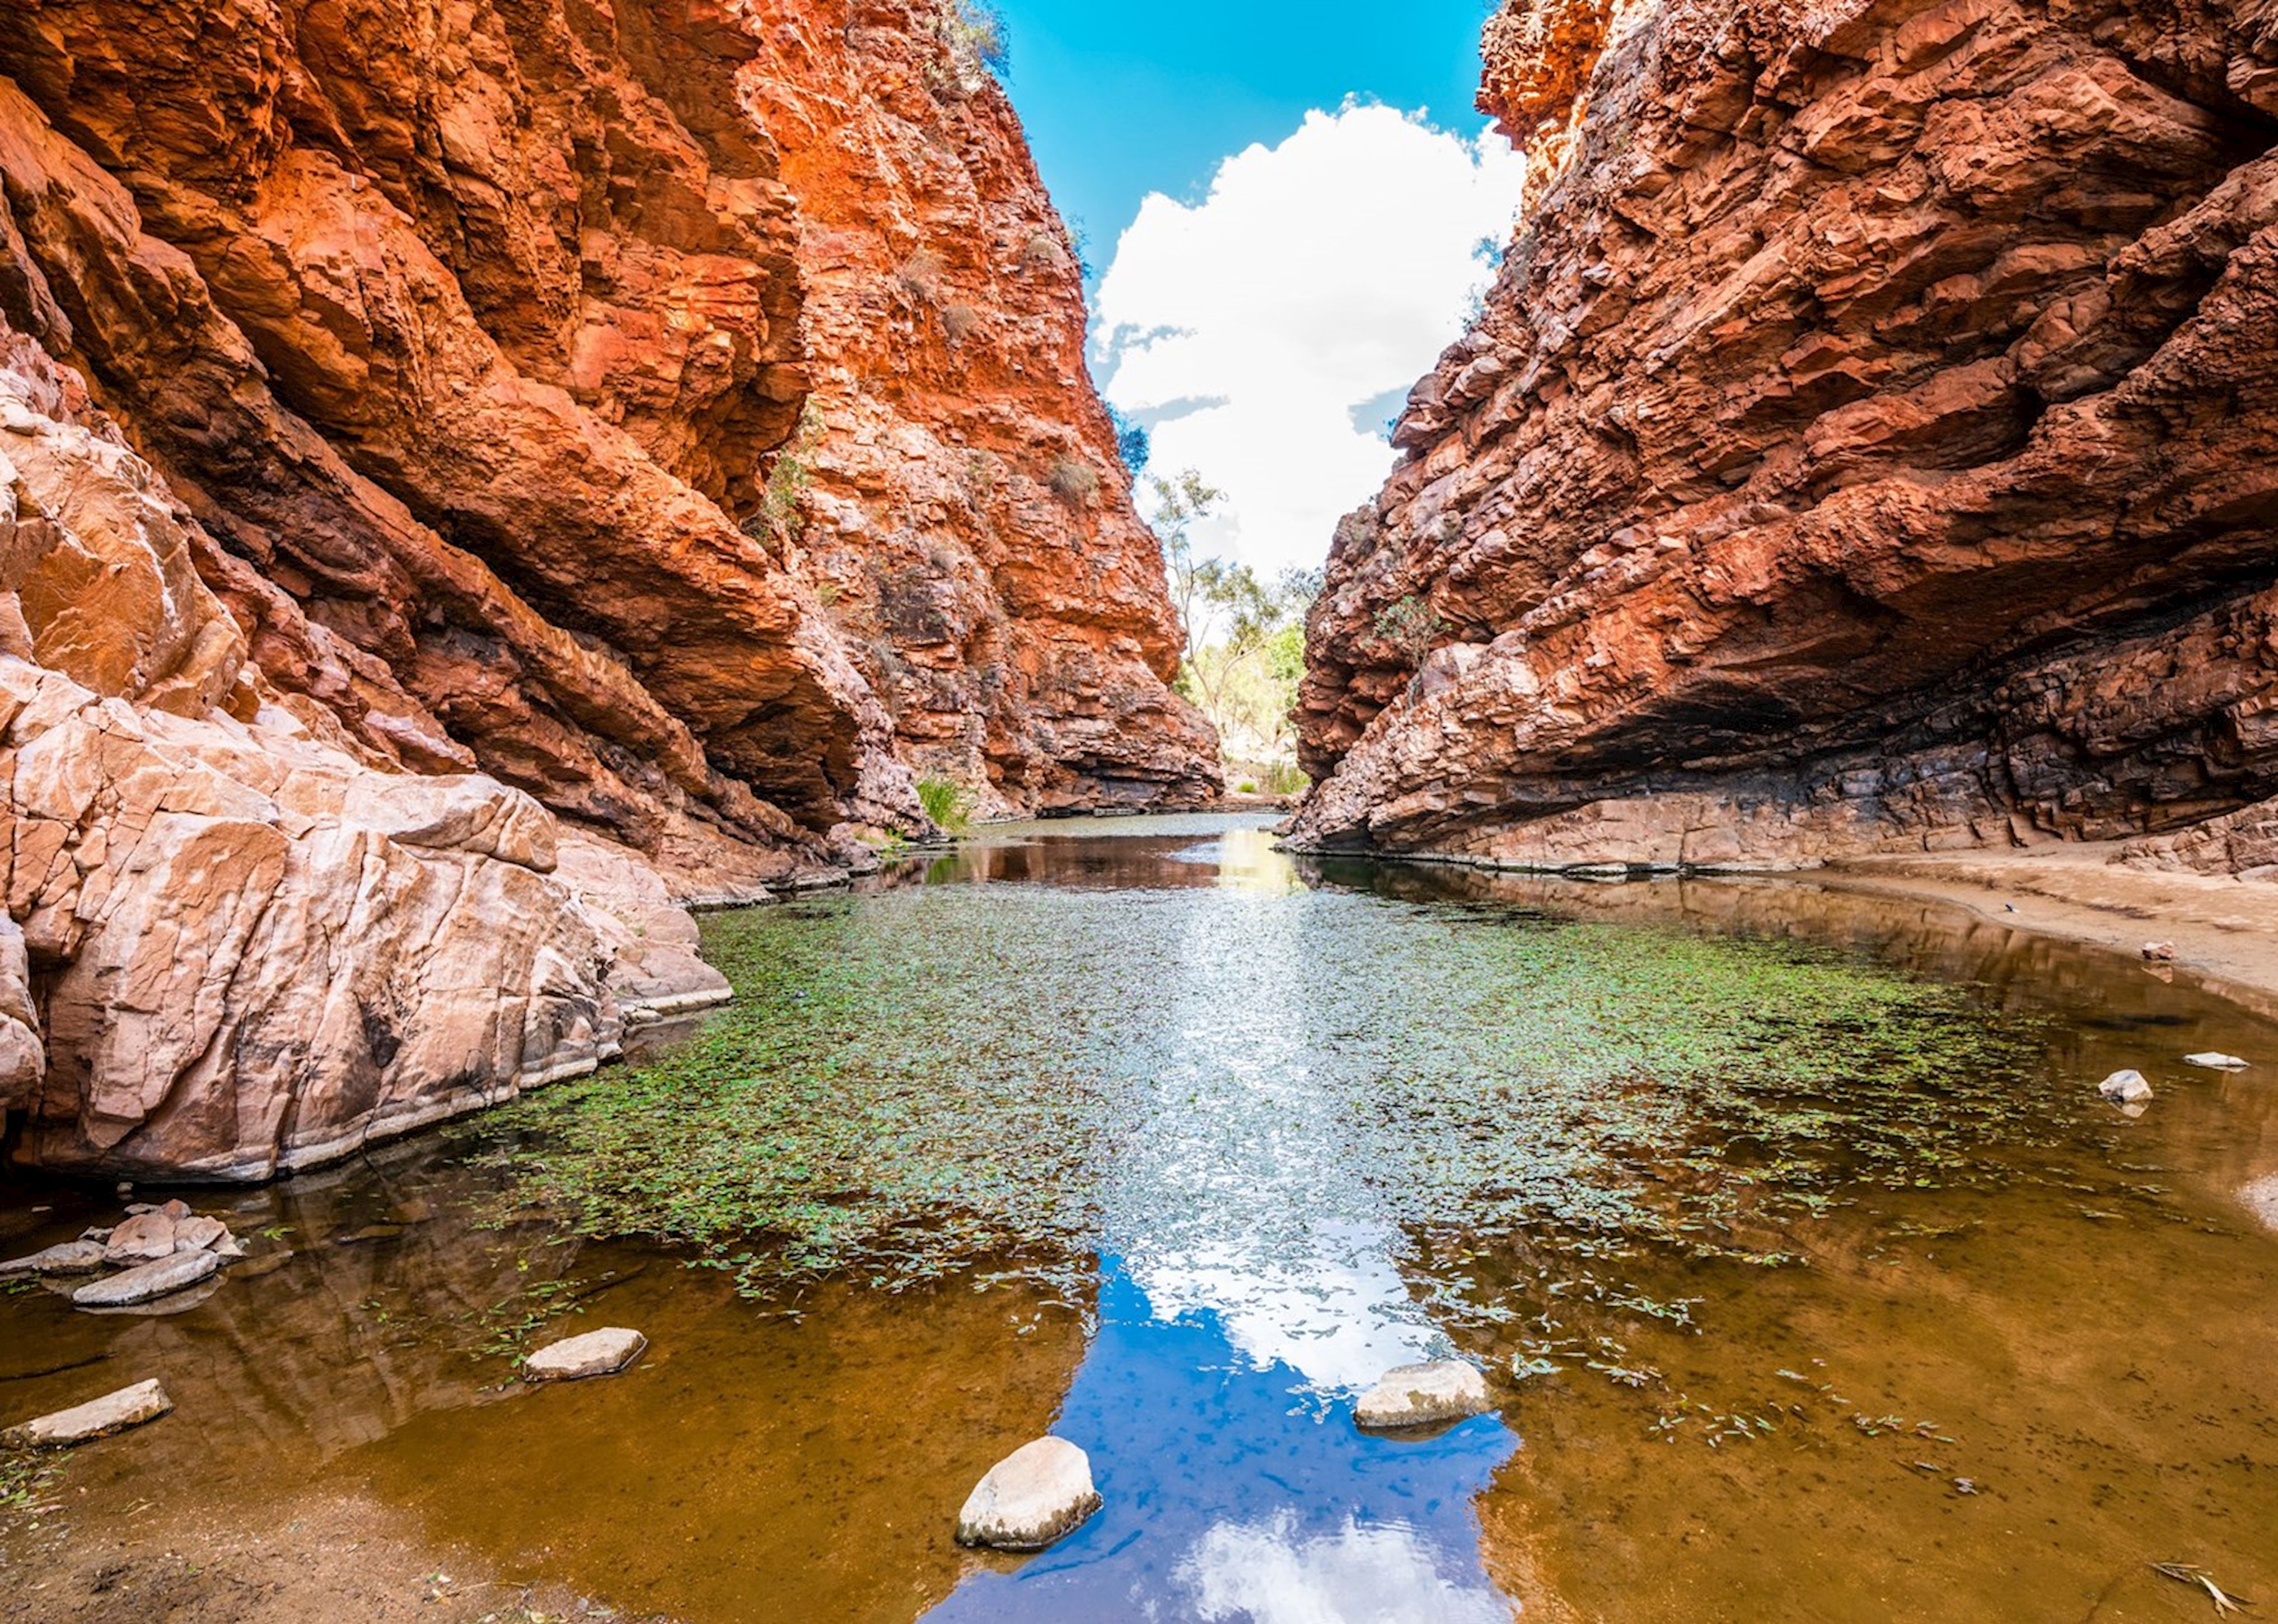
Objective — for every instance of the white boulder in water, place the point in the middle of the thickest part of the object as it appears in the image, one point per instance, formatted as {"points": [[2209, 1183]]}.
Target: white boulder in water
{"points": [[1040, 1492], [597, 1352], [129, 1407], [2125, 1088], [1418, 1395], [2214, 1061]]}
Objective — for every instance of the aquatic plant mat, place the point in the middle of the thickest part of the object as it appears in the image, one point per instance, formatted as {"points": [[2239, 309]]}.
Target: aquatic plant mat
{"points": [[916, 1079]]}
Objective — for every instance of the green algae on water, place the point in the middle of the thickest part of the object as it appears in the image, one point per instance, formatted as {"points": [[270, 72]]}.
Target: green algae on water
{"points": [[913, 1081]]}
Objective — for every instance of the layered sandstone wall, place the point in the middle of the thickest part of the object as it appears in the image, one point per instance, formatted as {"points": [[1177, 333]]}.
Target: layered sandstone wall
{"points": [[962, 510], [1867, 445], [395, 623]]}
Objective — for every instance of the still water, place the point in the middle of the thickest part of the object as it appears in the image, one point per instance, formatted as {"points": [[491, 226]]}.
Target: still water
{"points": [[1815, 1281]]}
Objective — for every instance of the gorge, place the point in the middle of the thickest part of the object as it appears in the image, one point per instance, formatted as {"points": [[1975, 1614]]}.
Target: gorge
{"points": [[529, 529]]}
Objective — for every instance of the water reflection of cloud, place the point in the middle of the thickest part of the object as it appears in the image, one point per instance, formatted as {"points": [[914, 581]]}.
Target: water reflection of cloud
{"points": [[1338, 1313], [1270, 1573]]}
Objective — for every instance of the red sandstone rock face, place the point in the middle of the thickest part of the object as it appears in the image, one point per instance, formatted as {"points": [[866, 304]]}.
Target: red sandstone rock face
{"points": [[1022, 639], [1867, 444], [391, 631]]}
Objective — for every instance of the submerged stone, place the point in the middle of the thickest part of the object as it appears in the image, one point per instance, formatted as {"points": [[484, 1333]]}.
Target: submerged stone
{"points": [[1039, 1493], [597, 1352], [1418, 1395], [129, 1407], [2214, 1061], [173, 1273], [2261, 1199], [2128, 1087], [72, 1257]]}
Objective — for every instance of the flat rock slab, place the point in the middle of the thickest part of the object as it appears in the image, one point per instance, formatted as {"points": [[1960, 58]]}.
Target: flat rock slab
{"points": [[1039, 1493], [2261, 1199], [2125, 1088], [597, 1352], [144, 1239], [129, 1407], [176, 1273], [72, 1257], [1418, 1395], [2214, 1061]]}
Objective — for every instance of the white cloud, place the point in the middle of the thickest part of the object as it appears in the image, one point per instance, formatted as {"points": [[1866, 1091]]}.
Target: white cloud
{"points": [[1316, 278]]}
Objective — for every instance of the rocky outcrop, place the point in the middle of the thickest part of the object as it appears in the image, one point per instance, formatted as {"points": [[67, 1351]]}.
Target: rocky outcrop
{"points": [[958, 502], [1867, 445], [398, 618]]}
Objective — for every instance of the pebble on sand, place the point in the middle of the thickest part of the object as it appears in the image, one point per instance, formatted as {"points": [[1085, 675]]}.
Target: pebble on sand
{"points": [[597, 1352], [1039, 1493], [129, 1407], [1418, 1395]]}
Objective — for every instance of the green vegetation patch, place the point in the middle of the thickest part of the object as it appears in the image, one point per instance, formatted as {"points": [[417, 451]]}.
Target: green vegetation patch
{"points": [[918, 1079]]}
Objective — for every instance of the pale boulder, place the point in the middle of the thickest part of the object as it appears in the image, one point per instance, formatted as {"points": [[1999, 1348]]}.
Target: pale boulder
{"points": [[2125, 1088], [72, 1257], [1039, 1493], [177, 1272], [144, 1239], [596, 1352], [2215, 1061], [1419, 1395], [129, 1407]]}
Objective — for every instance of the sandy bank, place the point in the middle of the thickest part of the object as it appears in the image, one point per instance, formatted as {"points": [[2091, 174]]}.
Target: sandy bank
{"points": [[2224, 930]]}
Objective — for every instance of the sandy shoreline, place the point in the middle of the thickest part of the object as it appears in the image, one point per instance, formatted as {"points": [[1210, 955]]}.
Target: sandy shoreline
{"points": [[2224, 930]]}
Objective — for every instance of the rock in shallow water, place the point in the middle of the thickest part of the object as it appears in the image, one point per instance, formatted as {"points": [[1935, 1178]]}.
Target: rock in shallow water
{"points": [[129, 1407], [2216, 1061], [175, 1273], [72, 1257], [2125, 1088], [1418, 1395], [145, 1238], [597, 1352], [1039, 1493]]}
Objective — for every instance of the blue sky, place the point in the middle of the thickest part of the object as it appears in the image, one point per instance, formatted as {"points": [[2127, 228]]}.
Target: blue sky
{"points": [[1122, 99], [1288, 210]]}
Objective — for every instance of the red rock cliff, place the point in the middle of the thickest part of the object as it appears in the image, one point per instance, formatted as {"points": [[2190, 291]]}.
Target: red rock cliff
{"points": [[1867, 444], [963, 514], [395, 618]]}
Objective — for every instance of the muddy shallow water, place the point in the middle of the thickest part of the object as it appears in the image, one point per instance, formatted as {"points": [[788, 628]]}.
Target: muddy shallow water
{"points": [[1813, 1278]]}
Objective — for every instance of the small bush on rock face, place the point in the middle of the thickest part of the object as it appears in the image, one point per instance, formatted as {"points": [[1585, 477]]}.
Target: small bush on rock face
{"points": [[1408, 626], [957, 320], [782, 502], [920, 275], [975, 29], [946, 802], [1073, 482]]}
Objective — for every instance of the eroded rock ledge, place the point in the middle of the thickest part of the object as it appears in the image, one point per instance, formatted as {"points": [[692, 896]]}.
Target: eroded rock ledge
{"points": [[395, 626], [1867, 445]]}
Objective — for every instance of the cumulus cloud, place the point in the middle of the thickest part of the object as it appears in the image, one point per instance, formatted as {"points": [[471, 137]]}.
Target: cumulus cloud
{"points": [[1266, 333]]}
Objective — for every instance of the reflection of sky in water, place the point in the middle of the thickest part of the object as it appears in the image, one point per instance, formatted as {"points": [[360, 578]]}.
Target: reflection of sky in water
{"points": [[1231, 1496], [1252, 1286]]}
